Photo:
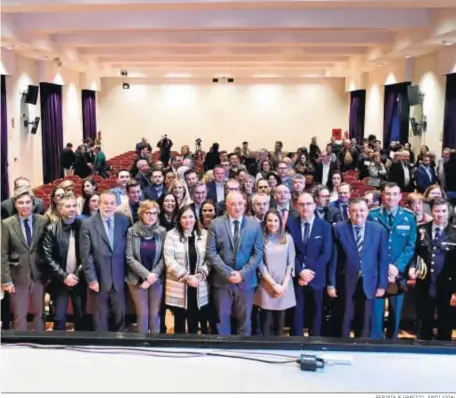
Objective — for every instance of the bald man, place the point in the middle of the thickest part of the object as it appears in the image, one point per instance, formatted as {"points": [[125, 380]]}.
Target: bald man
{"points": [[234, 251]]}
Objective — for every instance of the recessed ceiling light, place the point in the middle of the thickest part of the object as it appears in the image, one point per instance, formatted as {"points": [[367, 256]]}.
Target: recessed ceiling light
{"points": [[408, 56]]}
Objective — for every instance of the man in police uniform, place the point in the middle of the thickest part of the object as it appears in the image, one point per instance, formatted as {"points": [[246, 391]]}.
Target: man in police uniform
{"points": [[436, 280], [401, 226]]}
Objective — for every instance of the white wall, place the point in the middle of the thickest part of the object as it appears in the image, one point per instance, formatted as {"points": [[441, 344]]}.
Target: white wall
{"points": [[228, 114], [429, 72], [24, 149]]}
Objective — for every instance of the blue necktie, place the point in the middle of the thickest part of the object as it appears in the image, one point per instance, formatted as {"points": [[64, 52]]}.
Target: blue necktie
{"points": [[344, 212], [236, 236], [438, 235], [305, 238], [359, 239], [110, 233], [28, 232]]}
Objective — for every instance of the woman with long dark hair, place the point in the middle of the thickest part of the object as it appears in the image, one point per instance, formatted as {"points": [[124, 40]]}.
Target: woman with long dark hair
{"points": [[168, 211], [187, 290]]}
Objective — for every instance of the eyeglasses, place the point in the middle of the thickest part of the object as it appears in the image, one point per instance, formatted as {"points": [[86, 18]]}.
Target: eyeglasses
{"points": [[151, 213]]}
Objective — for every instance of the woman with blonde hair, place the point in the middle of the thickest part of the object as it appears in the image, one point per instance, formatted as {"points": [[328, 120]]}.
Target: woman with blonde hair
{"points": [[415, 202], [179, 189], [275, 293], [145, 268], [187, 290]]}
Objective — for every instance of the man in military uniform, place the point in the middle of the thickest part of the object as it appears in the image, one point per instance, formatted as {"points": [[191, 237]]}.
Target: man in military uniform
{"points": [[436, 280], [401, 226]]}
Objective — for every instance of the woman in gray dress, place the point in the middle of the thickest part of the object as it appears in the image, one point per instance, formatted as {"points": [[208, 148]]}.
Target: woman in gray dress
{"points": [[275, 293]]}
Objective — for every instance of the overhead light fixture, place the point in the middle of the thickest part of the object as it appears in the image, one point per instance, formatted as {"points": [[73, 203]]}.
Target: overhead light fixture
{"points": [[408, 56], [57, 61], [126, 86], [447, 43]]}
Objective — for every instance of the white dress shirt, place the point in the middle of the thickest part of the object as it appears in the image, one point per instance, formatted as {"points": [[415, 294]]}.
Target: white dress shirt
{"points": [[325, 174]]}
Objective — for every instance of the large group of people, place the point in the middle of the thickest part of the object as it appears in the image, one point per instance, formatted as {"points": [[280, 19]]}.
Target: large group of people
{"points": [[233, 243]]}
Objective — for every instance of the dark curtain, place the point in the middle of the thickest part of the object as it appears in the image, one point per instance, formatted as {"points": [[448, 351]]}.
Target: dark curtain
{"points": [[4, 143], [357, 115], [89, 115], [52, 130], [449, 122], [396, 109]]}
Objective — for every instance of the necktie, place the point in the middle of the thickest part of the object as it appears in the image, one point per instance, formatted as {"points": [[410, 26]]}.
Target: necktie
{"points": [[344, 212], [28, 232], [110, 233], [390, 219], [359, 239], [71, 255], [305, 238], [236, 236], [438, 234], [284, 218]]}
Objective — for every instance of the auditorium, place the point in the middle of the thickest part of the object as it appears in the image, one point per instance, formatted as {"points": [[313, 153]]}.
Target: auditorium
{"points": [[254, 191]]}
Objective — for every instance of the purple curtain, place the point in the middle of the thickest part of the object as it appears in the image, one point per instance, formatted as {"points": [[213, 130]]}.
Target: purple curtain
{"points": [[4, 143], [52, 130], [357, 115], [396, 108], [89, 115], [449, 123]]}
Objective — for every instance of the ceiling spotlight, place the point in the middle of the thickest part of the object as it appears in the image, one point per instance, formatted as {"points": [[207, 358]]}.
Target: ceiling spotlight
{"points": [[126, 86], [408, 56], [57, 61], [447, 43], [123, 72]]}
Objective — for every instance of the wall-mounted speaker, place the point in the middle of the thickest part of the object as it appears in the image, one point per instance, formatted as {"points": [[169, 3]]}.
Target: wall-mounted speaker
{"points": [[415, 97], [32, 95]]}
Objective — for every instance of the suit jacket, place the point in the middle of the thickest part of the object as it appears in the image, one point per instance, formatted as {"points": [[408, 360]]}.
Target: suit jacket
{"points": [[292, 212], [426, 248], [220, 208], [422, 178], [100, 262], [318, 176], [151, 194], [316, 253], [136, 272], [347, 263], [8, 208], [143, 180], [21, 263], [212, 191], [331, 214], [354, 154], [125, 209], [396, 174], [338, 206], [222, 258], [55, 245]]}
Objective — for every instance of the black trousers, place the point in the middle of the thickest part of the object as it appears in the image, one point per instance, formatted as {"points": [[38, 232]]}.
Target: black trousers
{"points": [[6, 312], [272, 321], [192, 315], [427, 307], [78, 296]]}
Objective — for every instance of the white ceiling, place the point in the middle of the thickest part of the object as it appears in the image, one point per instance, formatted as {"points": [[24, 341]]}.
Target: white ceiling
{"points": [[244, 39]]}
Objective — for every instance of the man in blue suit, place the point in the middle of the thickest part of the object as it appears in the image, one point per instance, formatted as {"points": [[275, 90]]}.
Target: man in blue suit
{"points": [[313, 243], [425, 174], [102, 252], [157, 189], [234, 251], [359, 268], [400, 225], [344, 190]]}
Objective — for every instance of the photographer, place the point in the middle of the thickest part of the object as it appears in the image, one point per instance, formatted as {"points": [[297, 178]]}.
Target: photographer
{"points": [[165, 145]]}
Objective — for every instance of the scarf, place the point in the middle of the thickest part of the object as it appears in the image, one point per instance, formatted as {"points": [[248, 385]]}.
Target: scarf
{"points": [[146, 231]]}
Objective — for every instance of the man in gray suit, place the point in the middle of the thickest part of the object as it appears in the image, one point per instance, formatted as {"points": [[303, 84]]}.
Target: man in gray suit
{"points": [[22, 274], [8, 207], [102, 246], [234, 250]]}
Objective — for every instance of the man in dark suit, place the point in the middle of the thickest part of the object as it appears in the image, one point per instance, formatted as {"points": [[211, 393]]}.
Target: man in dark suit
{"points": [[143, 174], [425, 174], [324, 169], [22, 264], [199, 195], [102, 247], [216, 188], [322, 210], [401, 173], [165, 145], [436, 280], [348, 156], [282, 203], [61, 259], [8, 205], [234, 251], [313, 243], [230, 186], [344, 190], [158, 188], [359, 268]]}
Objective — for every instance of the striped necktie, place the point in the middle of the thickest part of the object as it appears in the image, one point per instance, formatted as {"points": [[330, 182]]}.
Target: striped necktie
{"points": [[236, 236], [359, 239]]}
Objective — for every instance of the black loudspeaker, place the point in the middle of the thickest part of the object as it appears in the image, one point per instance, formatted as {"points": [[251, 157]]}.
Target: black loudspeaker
{"points": [[414, 95], [32, 95], [35, 125]]}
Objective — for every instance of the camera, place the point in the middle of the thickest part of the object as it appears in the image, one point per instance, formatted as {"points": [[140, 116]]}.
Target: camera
{"points": [[198, 141]]}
